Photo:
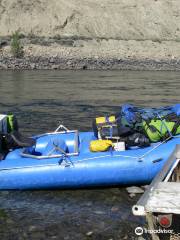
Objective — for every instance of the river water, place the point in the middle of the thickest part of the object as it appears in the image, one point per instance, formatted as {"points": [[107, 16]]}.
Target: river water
{"points": [[43, 99]]}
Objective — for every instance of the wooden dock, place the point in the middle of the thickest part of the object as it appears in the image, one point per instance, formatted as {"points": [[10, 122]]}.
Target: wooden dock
{"points": [[163, 194], [165, 198]]}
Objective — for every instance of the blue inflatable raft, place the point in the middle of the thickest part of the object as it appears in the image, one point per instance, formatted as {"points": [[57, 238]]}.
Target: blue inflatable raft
{"points": [[63, 160]]}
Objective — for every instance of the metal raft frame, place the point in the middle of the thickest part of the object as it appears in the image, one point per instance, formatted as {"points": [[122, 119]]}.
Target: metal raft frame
{"points": [[76, 146], [62, 154]]}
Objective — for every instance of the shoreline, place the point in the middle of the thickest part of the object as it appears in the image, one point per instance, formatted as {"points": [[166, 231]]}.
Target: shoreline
{"points": [[92, 54], [57, 63]]}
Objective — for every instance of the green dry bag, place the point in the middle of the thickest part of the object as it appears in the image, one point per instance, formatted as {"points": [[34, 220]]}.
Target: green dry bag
{"points": [[158, 129]]}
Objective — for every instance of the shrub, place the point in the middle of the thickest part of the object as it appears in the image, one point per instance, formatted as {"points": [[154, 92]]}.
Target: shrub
{"points": [[16, 47]]}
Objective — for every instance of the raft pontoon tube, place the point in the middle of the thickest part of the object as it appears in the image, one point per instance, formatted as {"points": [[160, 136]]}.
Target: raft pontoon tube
{"points": [[62, 159]]}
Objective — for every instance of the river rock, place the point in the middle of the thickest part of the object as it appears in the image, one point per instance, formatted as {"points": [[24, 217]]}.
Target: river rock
{"points": [[135, 190], [99, 212], [145, 187], [3, 43], [141, 238], [131, 195], [32, 228], [114, 209], [32, 65], [89, 233]]}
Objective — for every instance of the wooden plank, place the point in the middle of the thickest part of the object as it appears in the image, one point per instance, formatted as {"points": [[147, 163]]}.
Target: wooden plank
{"points": [[168, 187], [165, 198], [139, 208]]}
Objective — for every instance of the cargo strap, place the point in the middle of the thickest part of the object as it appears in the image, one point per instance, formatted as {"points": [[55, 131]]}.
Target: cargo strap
{"points": [[176, 125]]}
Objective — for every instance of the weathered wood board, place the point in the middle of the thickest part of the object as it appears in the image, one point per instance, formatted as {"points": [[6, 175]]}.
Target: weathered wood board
{"points": [[164, 198]]}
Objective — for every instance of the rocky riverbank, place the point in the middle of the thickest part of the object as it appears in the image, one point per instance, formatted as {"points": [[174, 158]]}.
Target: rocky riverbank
{"points": [[69, 53], [156, 20], [138, 35], [32, 63], [84, 214]]}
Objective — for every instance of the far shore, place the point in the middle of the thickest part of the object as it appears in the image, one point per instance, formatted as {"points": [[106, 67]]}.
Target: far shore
{"points": [[53, 63], [93, 54]]}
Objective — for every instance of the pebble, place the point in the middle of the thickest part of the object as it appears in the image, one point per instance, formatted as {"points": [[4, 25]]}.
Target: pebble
{"points": [[114, 198], [145, 187], [131, 195], [32, 228], [51, 60], [134, 190], [66, 237], [9, 221], [99, 212], [33, 65], [141, 238], [88, 204], [89, 233], [54, 67], [114, 209], [125, 237], [3, 43], [4, 192]]}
